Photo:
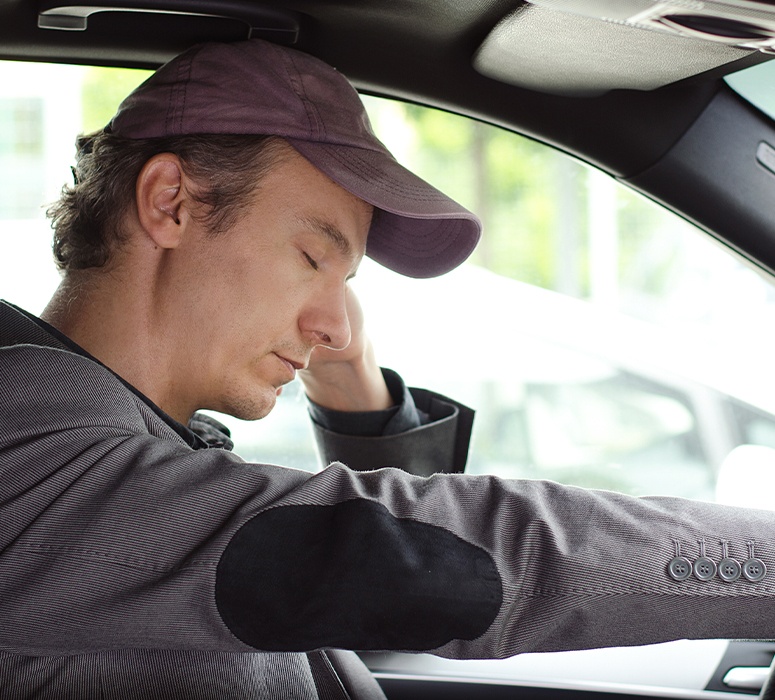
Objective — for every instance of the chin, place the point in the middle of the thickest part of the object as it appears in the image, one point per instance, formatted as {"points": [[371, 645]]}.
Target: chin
{"points": [[250, 407]]}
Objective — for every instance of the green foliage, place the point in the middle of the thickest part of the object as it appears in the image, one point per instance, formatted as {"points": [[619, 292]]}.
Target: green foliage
{"points": [[102, 92], [650, 246], [535, 204], [508, 180]]}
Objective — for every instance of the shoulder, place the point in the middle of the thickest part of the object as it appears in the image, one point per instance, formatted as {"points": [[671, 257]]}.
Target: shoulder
{"points": [[57, 388]]}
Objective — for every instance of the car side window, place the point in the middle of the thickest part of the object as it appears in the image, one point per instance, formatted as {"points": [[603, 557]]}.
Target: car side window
{"points": [[602, 340]]}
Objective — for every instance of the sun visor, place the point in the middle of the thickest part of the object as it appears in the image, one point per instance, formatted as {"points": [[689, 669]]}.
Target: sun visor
{"points": [[588, 47]]}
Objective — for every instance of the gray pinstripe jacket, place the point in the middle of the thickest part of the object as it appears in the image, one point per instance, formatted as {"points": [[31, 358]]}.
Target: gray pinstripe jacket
{"points": [[132, 565]]}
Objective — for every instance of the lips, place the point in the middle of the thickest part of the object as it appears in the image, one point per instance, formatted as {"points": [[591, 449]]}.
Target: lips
{"points": [[291, 365]]}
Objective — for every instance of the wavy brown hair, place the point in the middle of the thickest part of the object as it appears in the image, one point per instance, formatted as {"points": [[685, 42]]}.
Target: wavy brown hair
{"points": [[88, 218]]}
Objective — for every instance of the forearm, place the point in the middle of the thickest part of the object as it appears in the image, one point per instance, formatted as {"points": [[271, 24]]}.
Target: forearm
{"points": [[477, 567]]}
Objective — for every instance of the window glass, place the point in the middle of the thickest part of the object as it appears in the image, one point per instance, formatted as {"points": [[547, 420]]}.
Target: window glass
{"points": [[755, 84], [755, 427], [602, 340], [22, 148]]}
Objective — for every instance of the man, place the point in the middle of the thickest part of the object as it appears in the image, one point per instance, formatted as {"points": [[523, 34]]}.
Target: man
{"points": [[207, 245]]}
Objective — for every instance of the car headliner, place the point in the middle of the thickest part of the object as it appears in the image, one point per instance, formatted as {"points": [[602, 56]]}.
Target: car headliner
{"points": [[673, 143]]}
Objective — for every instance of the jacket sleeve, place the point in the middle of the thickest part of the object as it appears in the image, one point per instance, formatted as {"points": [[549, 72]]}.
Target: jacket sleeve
{"points": [[426, 434], [479, 567], [115, 534]]}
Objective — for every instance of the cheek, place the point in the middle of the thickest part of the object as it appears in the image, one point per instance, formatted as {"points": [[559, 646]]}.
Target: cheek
{"points": [[268, 310], [249, 284], [258, 293]]}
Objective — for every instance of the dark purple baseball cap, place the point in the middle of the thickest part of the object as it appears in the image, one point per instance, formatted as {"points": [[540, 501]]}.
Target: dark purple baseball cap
{"points": [[256, 87]]}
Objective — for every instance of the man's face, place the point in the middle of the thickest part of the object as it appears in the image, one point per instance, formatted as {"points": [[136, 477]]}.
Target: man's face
{"points": [[262, 295]]}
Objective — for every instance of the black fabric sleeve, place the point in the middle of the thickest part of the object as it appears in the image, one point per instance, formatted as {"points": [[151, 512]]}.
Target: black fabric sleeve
{"points": [[403, 416], [425, 433]]}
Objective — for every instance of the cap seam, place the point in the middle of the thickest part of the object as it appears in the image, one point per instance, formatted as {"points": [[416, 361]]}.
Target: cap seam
{"points": [[313, 117], [178, 95], [363, 170], [394, 244]]}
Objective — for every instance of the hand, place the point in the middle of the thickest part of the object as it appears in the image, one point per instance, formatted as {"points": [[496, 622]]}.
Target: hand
{"points": [[349, 379]]}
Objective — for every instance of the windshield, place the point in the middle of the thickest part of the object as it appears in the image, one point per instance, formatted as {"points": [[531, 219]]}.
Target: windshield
{"points": [[755, 85]]}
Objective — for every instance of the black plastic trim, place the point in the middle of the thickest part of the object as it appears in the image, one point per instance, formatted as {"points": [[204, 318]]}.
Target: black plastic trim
{"points": [[263, 22], [713, 178], [741, 653], [434, 689]]}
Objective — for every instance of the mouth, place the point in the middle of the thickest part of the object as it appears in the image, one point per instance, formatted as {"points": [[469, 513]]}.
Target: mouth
{"points": [[291, 365]]}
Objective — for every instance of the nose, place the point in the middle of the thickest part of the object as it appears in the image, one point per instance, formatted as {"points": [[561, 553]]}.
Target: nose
{"points": [[326, 321]]}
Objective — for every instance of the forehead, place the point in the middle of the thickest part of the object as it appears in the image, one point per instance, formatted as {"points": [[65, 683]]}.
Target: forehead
{"points": [[309, 198]]}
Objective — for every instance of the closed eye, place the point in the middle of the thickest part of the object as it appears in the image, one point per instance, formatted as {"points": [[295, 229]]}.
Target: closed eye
{"points": [[312, 263]]}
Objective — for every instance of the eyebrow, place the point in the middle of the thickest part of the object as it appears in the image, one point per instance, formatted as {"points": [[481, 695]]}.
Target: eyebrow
{"points": [[333, 235]]}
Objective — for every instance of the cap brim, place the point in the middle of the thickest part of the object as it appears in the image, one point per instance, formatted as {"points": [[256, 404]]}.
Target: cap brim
{"points": [[418, 230]]}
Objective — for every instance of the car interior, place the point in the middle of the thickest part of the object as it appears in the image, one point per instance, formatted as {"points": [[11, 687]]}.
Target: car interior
{"points": [[660, 111]]}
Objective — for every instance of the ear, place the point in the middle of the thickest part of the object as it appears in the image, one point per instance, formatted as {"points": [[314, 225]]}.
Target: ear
{"points": [[161, 200]]}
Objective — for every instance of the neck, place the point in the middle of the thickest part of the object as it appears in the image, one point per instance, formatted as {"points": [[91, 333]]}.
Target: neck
{"points": [[103, 312]]}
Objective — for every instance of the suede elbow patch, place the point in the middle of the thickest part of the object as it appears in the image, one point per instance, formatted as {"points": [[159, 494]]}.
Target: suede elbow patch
{"points": [[353, 576]]}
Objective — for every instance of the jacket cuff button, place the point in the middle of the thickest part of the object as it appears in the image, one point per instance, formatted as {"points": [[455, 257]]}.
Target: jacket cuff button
{"points": [[704, 569], [754, 570], [679, 568], [729, 570]]}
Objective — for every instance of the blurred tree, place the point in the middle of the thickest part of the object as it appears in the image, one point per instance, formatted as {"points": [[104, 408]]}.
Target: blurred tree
{"points": [[102, 92], [539, 208], [525, 194]]}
